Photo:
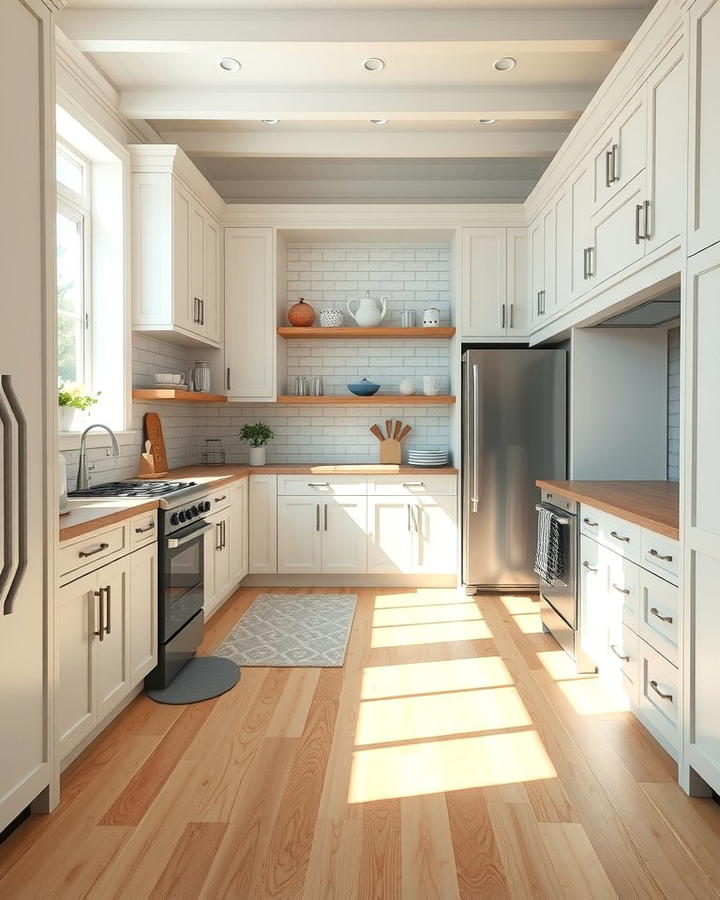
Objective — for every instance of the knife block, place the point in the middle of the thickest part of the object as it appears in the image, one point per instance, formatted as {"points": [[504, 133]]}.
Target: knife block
{"points": [[390, 452]]}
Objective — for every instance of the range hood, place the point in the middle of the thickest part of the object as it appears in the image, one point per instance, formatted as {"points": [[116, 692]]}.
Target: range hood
{"points": [[660, 311]]}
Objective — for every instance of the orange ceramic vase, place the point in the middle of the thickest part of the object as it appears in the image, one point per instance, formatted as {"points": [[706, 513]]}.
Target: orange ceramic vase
{"points": [[301, 314]]}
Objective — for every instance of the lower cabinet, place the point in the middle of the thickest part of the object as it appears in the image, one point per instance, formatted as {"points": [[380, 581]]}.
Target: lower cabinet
{"points": [[106, 633], [239, 529], [262, 524], [218, 569], [321, 535]]}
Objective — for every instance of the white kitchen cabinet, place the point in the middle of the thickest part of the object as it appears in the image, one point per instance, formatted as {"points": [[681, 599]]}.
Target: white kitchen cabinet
{"points": [[593, 610], [262, 524], [142, 612], [618, 229], [621, 153], [704, 148], [412, 536], [484, 282], [390, 544], [251, 317], [219, 580], [435, 539], [299, 537], [582, 261], [239, 529], [113, 663], [344, 535], [537, 269], [543, 247], [176, 248], [321, 536], [518, 299]]}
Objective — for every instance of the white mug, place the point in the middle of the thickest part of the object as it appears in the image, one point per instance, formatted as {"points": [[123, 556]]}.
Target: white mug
{"points": [[431, 318], [407, 386], [432, 385]]}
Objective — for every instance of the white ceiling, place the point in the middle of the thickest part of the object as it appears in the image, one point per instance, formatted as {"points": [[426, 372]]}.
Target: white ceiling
{"points": [[304, 67]]}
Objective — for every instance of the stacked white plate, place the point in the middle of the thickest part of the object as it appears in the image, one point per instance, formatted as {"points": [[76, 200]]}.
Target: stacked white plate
{"points": [[428, 457]]}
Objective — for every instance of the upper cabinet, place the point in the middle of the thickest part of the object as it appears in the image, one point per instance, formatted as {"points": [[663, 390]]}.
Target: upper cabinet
{"points": [[704, 185], [251, 317], [494, 283], [176, 251]]}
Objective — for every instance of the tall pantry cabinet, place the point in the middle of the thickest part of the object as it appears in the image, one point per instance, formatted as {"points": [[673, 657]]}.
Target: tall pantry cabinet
{"points": [[27, 487]]}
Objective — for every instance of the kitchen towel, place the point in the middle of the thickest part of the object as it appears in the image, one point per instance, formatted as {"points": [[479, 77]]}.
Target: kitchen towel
{"points": [[549, 553]]}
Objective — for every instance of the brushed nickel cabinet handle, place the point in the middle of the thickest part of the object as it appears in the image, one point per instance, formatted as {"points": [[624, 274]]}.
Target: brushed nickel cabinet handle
{"points": [[615, 175], [411, 484], [657, 555], [146, 529], [108, 601], [620, 590], [619, 655], [585, 263], [227, 378], [638, 212], [608, 176], [656, 612], [408, 517], [620, 537], [220, 499], [591, 269], [646, 220], [654, 686], [15, 491], [100, 594], [218, 535], [502, 324], [590, 523], [512, 315], [590, 568], [202, 311], [99, 549], [325, 518], [318, 484], [317, 517]]}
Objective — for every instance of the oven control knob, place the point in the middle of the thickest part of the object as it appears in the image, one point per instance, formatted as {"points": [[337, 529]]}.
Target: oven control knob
{"points": [[182, 516], [195, 511], [174, 519], [204, 506]]}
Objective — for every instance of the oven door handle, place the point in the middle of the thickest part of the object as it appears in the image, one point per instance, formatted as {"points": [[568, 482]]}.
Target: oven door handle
{"points": [[561, 520], [173, 543]]}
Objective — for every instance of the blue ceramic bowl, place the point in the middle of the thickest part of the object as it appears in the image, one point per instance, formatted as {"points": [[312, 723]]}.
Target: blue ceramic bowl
{"points": [[364, 388]]}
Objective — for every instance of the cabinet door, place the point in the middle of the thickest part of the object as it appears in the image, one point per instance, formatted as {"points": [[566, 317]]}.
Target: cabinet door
{"points": [[593, 622], [666, 183], [250, 314], [113, 677], [143, 612], [344, 536], [299, 536], [563, 249], [548, 301], [435, 547], [223, 556], [484, 282], [537, 269], [76, 620], [390, 536], [581, 268], [617, 232], [621, 153], [704, 186], [518, 283], [184, 312], [262, 524], [197, 266], [211, 294], [239, 530]]}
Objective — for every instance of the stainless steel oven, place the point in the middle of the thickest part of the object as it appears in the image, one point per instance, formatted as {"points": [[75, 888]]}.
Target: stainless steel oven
{"points": [[560, 608]]}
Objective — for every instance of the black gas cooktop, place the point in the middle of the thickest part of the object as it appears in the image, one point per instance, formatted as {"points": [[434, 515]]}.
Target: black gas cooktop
{"points": [[133, 489]]}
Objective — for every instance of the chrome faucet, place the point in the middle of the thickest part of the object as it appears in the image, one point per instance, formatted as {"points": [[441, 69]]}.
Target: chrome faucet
{"points": [[82, 475]]}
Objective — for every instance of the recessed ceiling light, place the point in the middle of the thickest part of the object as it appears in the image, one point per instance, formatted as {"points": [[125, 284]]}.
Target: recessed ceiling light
{"points": [[504, 64], [378, 121], [487, 121], [270, 121], [373, 64], [229, 64]]}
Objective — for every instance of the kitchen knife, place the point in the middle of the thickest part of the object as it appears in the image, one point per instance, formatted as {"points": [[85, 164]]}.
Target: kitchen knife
{"points": [[388, 425], [398, 426], [376, 430], [406, 430]]}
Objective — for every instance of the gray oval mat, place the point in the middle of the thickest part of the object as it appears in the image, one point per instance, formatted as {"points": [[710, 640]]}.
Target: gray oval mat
{"points": [[202, 678]]}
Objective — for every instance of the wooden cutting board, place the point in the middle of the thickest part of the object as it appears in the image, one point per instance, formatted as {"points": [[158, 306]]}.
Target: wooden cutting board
{"points": [[154, 434]]}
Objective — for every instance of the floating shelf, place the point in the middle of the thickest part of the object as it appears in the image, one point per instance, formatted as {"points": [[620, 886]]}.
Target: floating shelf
{"points": [[375, 400], [174, 396], [348, 332]]}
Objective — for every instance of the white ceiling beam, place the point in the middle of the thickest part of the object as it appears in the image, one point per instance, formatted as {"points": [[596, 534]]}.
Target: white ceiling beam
{"points": [[536, 102], [161, 30], [375, 145]]}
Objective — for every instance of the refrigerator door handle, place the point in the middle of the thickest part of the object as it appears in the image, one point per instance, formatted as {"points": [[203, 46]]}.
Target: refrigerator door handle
{"points": [[14, 494], [474, 498]]}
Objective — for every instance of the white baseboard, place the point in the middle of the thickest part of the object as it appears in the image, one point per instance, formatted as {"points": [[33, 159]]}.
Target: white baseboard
{"points": [[371, 581]]}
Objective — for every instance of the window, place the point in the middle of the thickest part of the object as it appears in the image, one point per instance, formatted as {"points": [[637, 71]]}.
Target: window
{"points": [[73, 227]]}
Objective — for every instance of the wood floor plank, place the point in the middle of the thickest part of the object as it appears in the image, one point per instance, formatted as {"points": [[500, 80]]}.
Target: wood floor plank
{"points": [[477, 859], [333, 872], [427, 859], [291, 713], [581, 875], [288, 854], [380, 851], [185, 873], [641, 753], [550, 801]]}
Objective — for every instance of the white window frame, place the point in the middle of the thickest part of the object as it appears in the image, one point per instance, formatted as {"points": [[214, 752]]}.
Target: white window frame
{"points": [[78, 208]]}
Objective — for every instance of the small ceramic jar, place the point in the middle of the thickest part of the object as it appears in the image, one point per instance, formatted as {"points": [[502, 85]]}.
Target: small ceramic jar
{"points": [[432, 385], [331, 318], [407, 386], [431, 318]]}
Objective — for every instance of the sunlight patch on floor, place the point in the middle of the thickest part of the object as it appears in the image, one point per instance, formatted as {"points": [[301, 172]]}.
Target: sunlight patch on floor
{"points": [[429, 677], [520, 605], [560, 666], [529, 623], [436, 715], [406, 635], [408, 770], [420, 597], [594, 697], [418, 615]]}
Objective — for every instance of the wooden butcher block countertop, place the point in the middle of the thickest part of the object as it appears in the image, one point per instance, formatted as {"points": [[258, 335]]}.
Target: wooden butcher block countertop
{"points": [[92, 514], [651, 504]]}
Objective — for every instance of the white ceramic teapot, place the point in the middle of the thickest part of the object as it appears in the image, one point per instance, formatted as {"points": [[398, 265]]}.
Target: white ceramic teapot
{"points": [[370, 311]]}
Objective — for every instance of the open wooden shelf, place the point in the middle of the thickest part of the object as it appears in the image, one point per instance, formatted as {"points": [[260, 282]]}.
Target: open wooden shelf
{"points": [[174, 396], [375, 400], [287, 331]]}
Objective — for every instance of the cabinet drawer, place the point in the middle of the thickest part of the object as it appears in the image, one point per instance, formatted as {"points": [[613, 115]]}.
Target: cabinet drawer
{"points": [[143, 529], [590, 521], [624, 587], [611, 531], [92, 551], [317, 485], [410, 486], [624, 658], [219, 499], [661, 554], [659, 614], [658, 702]]}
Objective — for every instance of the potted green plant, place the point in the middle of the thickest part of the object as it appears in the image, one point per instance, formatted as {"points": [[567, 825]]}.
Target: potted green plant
{"points": [[257, 436], [73, 397]]}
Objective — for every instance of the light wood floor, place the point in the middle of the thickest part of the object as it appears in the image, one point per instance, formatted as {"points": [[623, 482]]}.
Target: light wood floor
{"points": [[455, 755]]}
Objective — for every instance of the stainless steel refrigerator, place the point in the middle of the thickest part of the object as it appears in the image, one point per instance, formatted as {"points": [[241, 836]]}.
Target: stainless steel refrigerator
{"points": [[514, 432]]}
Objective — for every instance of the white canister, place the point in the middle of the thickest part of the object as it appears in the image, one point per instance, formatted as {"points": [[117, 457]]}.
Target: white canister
{"points": [[431, 318], [201, 377], [432, 385], [407, 386], [331, 318], [257, 456]]}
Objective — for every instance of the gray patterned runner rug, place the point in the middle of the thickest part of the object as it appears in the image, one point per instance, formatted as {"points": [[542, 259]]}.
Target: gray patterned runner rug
{"points": [[292, 630]]}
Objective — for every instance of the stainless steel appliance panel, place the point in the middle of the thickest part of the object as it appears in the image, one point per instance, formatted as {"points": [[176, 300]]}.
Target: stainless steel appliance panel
{"points": [[514, 415]]}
